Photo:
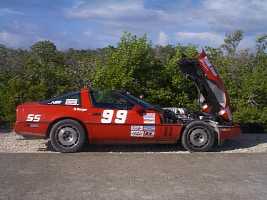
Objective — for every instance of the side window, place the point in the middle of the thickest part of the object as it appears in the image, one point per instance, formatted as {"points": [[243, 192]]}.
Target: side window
{"points": [[72, 99], [109, 99]]}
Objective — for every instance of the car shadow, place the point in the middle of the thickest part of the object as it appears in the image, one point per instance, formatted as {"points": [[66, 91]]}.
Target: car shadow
{"points": [[5, 130], [245, 141], [126, 148]]}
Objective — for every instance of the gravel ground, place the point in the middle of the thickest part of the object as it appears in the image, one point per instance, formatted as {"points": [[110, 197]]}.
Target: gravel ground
{"points": [[246, 143]]}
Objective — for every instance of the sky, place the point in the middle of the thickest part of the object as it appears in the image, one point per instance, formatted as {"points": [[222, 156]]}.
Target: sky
{"points": [[84, 24]]}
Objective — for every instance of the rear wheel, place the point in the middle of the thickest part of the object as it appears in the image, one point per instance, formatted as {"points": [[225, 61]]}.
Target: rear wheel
{"points": [[198, 136], [67, 136]]}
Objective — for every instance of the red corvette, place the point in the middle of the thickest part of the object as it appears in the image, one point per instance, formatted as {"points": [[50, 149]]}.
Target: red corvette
{"points": [[118, 117]]}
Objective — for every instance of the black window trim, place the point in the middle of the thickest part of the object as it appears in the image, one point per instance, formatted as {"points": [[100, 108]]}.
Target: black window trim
{"points": [[45, 102]]}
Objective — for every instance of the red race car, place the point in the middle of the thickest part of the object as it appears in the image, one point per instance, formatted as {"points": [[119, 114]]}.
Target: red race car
{"points": [[118, 117]]}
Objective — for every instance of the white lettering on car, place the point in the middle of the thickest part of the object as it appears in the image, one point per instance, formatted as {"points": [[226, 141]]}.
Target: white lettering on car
{"points": [[107, 115], [33, 118], [80, 109]]}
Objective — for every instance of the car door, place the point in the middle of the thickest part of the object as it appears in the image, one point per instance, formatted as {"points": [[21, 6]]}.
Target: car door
{"points": [[111, 117]]}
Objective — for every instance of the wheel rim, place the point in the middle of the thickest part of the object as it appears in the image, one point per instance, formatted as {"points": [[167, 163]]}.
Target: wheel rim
{"points": [[67, 136], [199, 137]]}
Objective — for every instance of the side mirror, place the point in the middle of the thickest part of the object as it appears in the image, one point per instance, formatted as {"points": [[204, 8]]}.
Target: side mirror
{"points": [[139, 109]]}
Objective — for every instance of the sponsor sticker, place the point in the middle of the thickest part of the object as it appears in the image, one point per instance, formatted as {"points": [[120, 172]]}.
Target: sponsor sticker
{"points": [[149, 118], [143, 131], [149, 131], [34, 125], [137, 131], [57, 102], [72, 102]]}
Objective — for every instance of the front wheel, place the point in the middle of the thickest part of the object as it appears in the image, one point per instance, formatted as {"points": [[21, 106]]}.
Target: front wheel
{"points": [[67, 136], [198, 136]]}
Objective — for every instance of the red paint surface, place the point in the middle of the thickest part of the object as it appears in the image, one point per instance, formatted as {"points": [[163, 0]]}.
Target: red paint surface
{"points": [[91, 120], [229, 132]]}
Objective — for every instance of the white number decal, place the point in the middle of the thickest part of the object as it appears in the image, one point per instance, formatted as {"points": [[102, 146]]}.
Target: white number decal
{"points": [[33, 118], [121, 116], [107, 116]]}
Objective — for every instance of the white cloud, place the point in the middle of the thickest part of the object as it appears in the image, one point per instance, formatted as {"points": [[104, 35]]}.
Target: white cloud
{"points": [[88, 33], [207, 21], [162, 39], [208, 38], [125, 15], [204, 23], [8, 11], [10, 39], [229, 15], [114, 10]]}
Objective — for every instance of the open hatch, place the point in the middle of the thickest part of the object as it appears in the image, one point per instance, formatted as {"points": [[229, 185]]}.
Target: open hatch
{"points": [[213, 96]]}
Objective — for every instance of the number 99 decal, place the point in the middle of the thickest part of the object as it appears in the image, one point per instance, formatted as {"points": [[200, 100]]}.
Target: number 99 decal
{"points": [[107, 115]]}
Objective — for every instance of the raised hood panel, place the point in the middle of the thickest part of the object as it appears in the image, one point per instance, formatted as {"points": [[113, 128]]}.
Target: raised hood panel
{"points": [[214, 98]]}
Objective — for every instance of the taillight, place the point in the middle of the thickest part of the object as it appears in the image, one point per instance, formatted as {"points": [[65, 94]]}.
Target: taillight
{"points": [[205, 108], [226, 114], [19, 111]]}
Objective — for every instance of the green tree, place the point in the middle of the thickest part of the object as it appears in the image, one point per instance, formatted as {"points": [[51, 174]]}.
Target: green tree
{"points": [[261, 43], [232, 41], [130, 66], [173, 89], [44, 51]]}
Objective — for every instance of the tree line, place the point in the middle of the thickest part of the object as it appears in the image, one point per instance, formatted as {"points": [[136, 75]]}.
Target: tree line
{"points": [[137, 66]]}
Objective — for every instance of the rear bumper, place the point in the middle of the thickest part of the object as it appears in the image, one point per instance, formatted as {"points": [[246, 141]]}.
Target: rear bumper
{"points": [[228, 132], [31, 130]]}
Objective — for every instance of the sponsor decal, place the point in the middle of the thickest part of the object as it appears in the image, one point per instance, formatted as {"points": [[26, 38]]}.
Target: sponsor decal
{"points": [[143, 131], [80, 109], [137, 131], [34, 125], [72, 102], [57, 102], [149, 131], [137, 128], [149, 118]]}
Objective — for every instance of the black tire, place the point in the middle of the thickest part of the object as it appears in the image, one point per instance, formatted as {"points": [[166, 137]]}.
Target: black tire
{"points": [[67, 136], [198, 136]]}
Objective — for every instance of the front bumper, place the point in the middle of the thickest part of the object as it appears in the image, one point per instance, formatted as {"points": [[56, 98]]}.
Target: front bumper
{"points": [[228, 132]]}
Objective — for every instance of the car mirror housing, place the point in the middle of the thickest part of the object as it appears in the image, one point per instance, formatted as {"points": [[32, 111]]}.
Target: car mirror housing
{"points": [[139, 109]]}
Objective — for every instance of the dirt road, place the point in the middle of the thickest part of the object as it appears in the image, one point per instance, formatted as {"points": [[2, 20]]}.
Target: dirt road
{"points": [[133, 176], [247, 143]]}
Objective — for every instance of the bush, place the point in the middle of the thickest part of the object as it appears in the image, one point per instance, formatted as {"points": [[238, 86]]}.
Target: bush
{"points": [[134, 65]]}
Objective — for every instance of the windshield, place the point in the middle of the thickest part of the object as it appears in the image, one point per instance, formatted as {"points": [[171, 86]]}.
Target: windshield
{"points": [[139, 101], [118, 99], [110, 99]]}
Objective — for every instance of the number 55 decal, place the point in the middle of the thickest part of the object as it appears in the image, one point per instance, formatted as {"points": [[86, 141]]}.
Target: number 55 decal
{"points": [[33, 118], [107, 115]]}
